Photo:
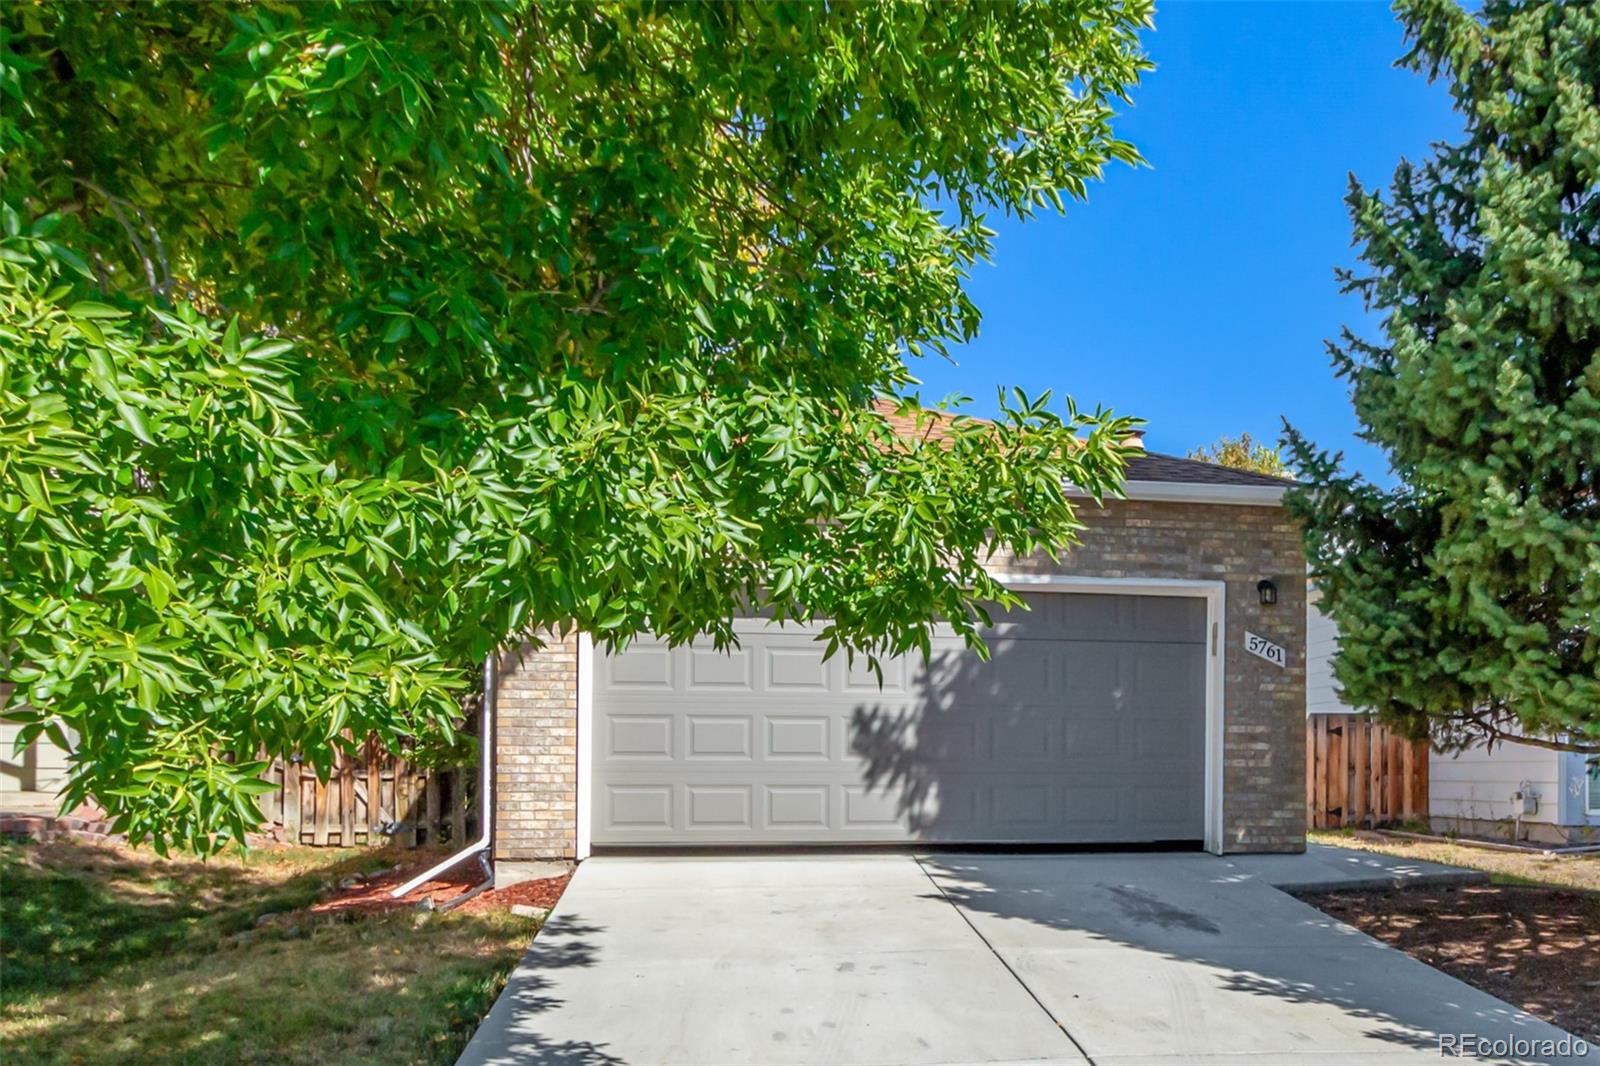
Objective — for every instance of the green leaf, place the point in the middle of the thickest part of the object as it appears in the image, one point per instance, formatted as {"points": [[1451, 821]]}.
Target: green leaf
{"points": [[92, 309]]}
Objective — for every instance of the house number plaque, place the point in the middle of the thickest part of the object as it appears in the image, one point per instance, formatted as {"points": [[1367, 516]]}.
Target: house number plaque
{"points": [[1260, 646]]}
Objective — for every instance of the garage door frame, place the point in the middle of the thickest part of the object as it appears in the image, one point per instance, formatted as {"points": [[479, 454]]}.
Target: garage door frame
{"points": [[1213, 592]]}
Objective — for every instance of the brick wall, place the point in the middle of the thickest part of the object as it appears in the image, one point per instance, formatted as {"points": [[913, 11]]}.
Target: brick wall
{"points": [[536, 760], [1264, 716]]}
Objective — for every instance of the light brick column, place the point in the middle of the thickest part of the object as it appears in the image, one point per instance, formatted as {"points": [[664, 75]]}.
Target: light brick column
{"points": [[536, 755]]}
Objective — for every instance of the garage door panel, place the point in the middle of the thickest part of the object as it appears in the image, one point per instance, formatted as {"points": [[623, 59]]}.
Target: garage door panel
{"points": [[1075, 730], [719, 807], [1092, 735], [645, 808], [860, 678], [805, 737], [642, 666], [722, 736], [1028, 738], [718, 670], [1147, 619], [639, 736], [797, 669], [797, 807]]}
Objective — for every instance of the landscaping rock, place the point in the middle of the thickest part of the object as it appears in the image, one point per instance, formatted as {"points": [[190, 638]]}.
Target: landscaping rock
{"points": [[522, 910]]}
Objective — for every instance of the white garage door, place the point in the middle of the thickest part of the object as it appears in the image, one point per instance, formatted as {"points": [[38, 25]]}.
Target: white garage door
{"points": [[1087, 725]]}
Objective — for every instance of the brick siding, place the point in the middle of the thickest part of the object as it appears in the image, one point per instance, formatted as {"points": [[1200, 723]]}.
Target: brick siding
{"points": [[1264, 717], [536, 752]]}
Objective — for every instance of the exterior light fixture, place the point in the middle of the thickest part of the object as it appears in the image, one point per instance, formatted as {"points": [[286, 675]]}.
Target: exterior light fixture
{"points": [[1268, 591]]}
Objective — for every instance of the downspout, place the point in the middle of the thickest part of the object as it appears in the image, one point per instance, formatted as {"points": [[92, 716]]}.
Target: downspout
{"points": [[485, 788]]}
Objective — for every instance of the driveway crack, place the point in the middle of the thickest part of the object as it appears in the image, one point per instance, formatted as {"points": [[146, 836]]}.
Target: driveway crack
{"points": [[1002, 959]]}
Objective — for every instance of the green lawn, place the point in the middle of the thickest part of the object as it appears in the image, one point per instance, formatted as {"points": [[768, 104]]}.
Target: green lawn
{"points": [[111, 954]]}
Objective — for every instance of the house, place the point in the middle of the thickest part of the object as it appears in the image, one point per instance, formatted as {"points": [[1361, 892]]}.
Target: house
{"points": [[38, 767], [1123, 708], [1510, 791]]}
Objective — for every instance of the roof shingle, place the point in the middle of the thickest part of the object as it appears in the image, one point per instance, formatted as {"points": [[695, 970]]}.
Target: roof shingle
{"points": [[1151, 466], [1154, 466]]}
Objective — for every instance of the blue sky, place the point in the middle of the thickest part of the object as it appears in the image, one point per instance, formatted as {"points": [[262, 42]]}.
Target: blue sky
{"points": [[1197, 293]]}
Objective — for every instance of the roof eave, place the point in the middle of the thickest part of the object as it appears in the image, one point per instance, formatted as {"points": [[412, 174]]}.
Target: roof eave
{"points": [[1196, 492]]}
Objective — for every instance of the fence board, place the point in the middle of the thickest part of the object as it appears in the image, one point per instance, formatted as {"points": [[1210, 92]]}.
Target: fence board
{"points": [[1359, 773], [1338, 784], [1396, 797], [1375, 744], [366, 793], [458, 807], [431, 805], [1359, 746], [347, 802], [1311, 774], [1322, 778], [374, 791]]}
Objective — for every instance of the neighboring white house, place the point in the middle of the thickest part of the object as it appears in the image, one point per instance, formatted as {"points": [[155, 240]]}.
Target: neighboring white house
{"points": [[40, 767], [1514, 791]]}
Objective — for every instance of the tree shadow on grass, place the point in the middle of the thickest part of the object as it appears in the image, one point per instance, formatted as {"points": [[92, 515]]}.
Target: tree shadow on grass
{"points": [[73, 911], [149, 977]]}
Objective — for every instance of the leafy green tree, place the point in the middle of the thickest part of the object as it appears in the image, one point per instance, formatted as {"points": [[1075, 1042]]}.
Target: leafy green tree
{"points": [[1243, 453], [1468, 596], [346, 342]]}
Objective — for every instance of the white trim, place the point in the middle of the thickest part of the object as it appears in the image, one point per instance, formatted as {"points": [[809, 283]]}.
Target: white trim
{"points": [[1214, 592], [586, 660], [1197, 492]]}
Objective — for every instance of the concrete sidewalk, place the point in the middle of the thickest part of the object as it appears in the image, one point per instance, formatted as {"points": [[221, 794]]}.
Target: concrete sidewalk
{"points": [[1326, 869], [1106, 958]]}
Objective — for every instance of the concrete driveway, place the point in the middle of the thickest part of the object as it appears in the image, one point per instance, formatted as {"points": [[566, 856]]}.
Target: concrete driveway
{"points": [[975, 959]]}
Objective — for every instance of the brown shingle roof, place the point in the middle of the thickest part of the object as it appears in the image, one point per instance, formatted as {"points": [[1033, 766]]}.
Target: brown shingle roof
{"points": [[938, 428], [1150, 466]]}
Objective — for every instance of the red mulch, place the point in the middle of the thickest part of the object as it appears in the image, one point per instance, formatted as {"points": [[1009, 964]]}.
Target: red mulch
{"points": [[372, 895], [541, 893]]}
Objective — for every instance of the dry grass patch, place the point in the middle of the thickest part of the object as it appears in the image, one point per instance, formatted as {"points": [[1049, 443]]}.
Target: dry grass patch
{"points": [[1505, 867], [112, 954]]}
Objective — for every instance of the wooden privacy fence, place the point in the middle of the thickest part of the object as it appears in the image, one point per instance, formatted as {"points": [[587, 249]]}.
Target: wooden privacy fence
{"points": [[370, 798], [1359, 773]]}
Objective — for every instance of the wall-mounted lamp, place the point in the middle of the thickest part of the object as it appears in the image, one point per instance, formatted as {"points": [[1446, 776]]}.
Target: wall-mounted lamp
{"points": [[1268, 591]]}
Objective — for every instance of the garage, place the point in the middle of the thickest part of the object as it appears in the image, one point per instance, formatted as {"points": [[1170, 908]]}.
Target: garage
{"points": [[1087, 725]]}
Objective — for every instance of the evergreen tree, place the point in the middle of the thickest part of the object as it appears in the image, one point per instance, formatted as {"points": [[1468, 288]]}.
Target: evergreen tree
{"points": [[1468, 596]]}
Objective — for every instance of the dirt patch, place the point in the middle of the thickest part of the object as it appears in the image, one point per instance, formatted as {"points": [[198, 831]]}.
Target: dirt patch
{"points": [[1535, 947]]}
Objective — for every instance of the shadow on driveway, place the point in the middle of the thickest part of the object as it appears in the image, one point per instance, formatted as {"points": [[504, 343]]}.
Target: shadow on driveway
{"points": [[1194, 958]]}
